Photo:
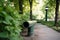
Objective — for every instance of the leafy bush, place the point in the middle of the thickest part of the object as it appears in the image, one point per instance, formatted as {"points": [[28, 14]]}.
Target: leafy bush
{"points": [[10, 20]]}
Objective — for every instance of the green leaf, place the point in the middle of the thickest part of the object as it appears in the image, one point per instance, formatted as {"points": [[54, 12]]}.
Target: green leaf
{"points": [[4, 34]]}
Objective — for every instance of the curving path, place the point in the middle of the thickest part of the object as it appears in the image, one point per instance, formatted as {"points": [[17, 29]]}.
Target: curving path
{"points": [[42, 32]]}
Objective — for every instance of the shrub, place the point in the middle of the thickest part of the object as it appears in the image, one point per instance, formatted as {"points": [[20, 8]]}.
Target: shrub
{"points": [[10, 20]]}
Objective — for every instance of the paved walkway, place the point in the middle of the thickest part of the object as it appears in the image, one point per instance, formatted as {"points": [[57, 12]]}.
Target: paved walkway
{"points": [[42, 32]]}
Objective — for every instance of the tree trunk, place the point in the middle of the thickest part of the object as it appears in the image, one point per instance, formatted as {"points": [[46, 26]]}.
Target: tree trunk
{"points": [[30, 1], [21, 6], [56, 12]]}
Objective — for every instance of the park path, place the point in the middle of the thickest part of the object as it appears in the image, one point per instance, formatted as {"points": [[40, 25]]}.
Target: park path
{"points": [[42, 32]]}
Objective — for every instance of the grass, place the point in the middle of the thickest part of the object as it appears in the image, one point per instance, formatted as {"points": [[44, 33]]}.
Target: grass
{"points": [[50, 24]]}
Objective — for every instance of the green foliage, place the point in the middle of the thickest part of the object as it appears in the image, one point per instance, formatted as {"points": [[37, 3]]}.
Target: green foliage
{"points": [[48, 23], [3, 34], [10, 20], [51, 5]]}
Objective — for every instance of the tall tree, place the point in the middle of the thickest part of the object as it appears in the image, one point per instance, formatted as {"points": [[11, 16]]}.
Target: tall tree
{"points": [[21, 6], [31, 2], [56, 12]]}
